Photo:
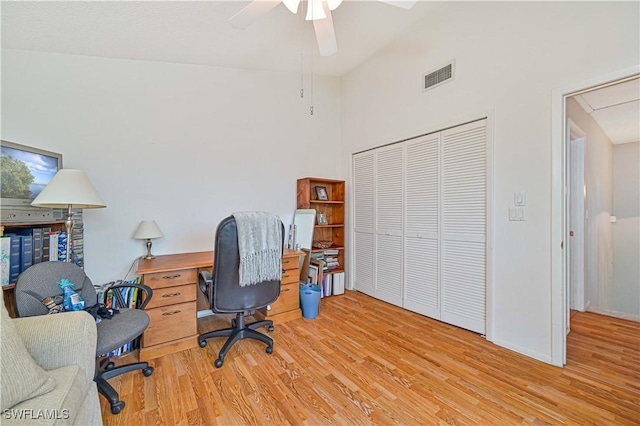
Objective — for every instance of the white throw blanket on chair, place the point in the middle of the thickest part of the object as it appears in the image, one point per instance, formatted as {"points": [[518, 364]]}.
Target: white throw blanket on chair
{"points": [[260, 246]]}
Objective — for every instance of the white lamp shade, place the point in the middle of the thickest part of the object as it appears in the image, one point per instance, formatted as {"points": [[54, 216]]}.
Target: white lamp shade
{"points": [[69, 187], [147, 229]]}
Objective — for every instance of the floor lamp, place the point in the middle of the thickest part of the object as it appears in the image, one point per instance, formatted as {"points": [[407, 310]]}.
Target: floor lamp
{"points": [[69, 189]]}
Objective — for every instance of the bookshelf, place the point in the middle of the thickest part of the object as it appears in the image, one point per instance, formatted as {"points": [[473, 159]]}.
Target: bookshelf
{"points": [[45, 229], [309, 192]]}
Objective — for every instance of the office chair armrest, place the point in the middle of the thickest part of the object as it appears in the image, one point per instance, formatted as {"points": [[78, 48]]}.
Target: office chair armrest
{"points": [[148, 294], [205, 281], [59, 340]]}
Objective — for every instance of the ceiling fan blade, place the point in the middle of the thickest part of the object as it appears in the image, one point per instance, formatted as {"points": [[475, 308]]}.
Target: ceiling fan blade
{"points": [[405, 4], [253, 11], [326, 35]]}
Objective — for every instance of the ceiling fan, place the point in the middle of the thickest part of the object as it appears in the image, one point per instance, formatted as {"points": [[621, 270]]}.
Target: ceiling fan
{"points": [[318, 11]]}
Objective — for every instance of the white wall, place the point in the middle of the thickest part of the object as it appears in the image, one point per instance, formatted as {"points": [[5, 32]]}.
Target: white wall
{"points": [[510, 56], [598, 180], [184, 145], [625, 296]]}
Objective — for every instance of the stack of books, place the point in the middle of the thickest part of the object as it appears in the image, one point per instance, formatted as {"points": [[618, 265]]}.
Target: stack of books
{"points": [[21, 247]]}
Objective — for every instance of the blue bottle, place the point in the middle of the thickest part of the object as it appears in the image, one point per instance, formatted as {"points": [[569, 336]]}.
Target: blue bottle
{"points": [[72, 300]]}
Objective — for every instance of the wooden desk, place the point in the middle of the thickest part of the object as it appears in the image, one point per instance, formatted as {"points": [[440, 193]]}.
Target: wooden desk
{"points": [[173, 308]]}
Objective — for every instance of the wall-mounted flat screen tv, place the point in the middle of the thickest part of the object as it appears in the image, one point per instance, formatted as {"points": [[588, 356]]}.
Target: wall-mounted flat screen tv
{"points": [[25, 172]]}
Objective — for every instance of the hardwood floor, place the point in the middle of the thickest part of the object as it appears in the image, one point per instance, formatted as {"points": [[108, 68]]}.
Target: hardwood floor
{"points": [[363, 362]]}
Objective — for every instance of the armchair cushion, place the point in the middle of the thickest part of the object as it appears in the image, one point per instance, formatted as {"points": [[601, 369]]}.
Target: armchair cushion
{"points": [[67, 397], [52, 349], [21, 377]]}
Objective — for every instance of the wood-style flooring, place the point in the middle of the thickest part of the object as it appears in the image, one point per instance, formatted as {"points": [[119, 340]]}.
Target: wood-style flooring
{"points": [[365, 362]]}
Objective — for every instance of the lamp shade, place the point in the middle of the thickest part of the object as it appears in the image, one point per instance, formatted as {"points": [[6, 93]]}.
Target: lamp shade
{"points": [[69, 188], [147, 229]]}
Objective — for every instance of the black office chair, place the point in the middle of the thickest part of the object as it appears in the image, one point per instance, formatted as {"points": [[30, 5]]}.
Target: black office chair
{"points": [[225, 294], [41, 280]]}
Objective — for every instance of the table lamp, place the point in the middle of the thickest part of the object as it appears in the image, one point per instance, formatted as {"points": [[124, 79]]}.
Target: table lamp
{"points": [[147, 230], [69, 188]]}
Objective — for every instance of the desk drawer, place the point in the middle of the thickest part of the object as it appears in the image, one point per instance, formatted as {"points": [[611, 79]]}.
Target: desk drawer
{"points": [[173, 295], [171, 278], [289, 277], [289, 299], [290, 263], [170, 323]]}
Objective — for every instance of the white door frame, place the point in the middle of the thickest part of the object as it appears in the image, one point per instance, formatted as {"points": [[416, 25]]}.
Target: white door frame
{"points": [[559, 259]]}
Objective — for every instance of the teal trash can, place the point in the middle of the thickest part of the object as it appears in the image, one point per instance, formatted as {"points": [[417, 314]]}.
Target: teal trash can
{"points": [[310, 300]]}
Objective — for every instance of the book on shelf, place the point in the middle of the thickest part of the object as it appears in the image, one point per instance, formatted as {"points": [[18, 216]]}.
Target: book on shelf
{"points": [[5, 259], [14, 258], [46, 243], [26, 252], [53, 245]]}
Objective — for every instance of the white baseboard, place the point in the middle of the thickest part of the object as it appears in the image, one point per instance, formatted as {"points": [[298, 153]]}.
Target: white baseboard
{"points": [[523, 351], [615, 314]]}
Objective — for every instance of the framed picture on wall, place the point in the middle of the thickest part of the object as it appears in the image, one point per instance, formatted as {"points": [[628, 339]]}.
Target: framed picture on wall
{"points": [[322, 219], [321, 193]]}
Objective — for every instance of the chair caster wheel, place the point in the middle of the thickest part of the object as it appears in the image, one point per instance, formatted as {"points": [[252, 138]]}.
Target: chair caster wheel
{"points": [[271, 328], [117, 407], [110, 365], [219, 363], [203, 343], [147, 371], [269, 349]]}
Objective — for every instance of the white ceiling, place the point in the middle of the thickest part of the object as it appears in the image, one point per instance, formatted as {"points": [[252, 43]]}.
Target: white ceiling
{"points": [[616, 109], [199, 32]]}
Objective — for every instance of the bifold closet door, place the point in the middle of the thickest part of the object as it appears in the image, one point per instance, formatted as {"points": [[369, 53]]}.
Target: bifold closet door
{"points": [[463, 208], [364, 237], [422, 226], [389, 205]]}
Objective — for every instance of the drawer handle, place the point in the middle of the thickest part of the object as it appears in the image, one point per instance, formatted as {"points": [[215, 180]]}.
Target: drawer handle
{"points": [[286, 289], [171, 294], [171, 277], [166, 314]]}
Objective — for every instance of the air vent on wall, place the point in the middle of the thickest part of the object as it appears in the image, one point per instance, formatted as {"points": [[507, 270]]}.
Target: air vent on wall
{"points": [[438, 77]]}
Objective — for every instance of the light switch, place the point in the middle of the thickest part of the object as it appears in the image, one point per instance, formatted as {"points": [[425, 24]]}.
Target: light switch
{"points": [[519, 199], [517, 214]]}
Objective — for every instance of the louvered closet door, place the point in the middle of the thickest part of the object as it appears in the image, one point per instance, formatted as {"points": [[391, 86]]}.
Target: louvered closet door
{"points": [[422, 226], [364, 237], [464, 183], [389, 191]]}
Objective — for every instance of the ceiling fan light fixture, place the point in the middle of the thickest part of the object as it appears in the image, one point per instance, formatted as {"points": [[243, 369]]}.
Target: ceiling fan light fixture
{"points": [[292, 5], [333, 4], [315, 10]]}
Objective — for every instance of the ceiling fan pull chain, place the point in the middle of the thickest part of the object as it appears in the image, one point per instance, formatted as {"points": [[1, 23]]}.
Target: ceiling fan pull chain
{"points": [[302, 56]]}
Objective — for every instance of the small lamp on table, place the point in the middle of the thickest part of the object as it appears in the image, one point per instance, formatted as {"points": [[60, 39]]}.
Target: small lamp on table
{"points": [[148, 230]]}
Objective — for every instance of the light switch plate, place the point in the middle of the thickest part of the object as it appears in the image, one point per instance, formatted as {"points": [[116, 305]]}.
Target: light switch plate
{"points": [[517, 214], [519, 199]]}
